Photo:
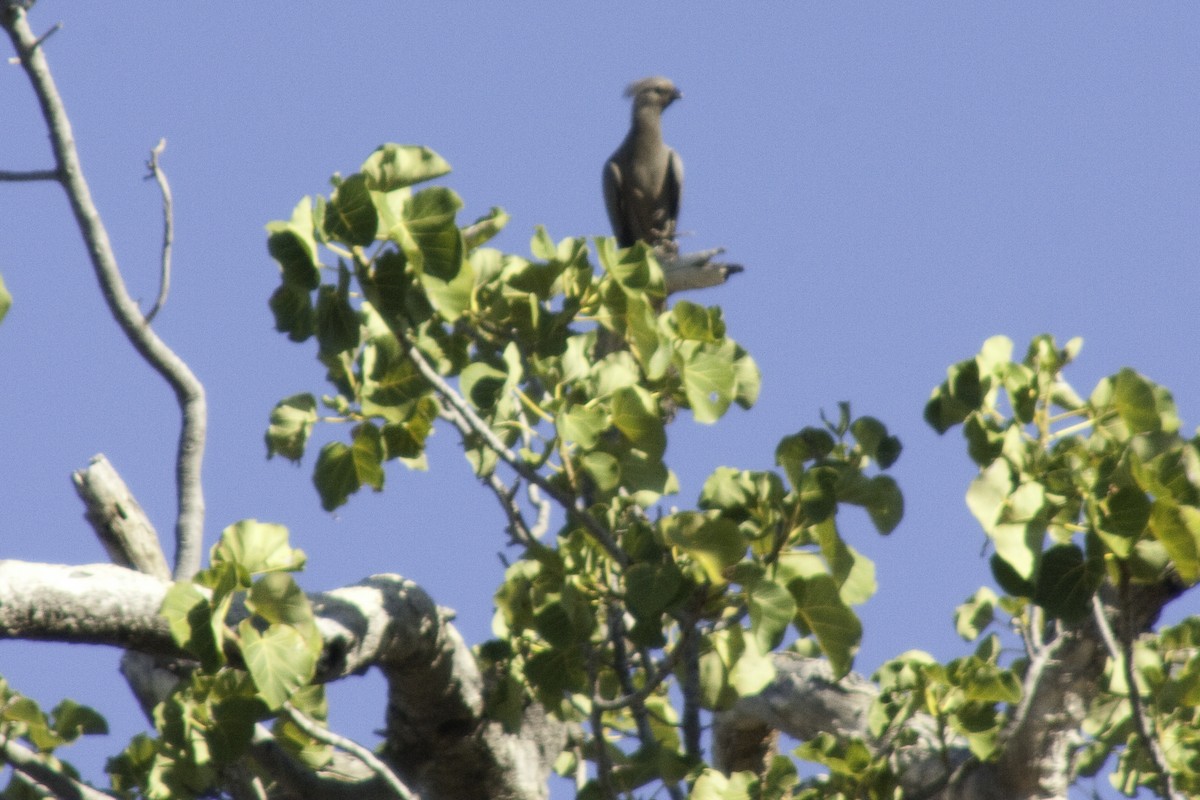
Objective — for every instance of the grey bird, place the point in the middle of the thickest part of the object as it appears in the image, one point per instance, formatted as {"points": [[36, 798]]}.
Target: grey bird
{"points": [[643, 179]]}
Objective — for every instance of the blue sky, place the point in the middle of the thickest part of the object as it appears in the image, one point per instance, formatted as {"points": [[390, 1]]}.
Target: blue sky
{"points": [[901, 182]]}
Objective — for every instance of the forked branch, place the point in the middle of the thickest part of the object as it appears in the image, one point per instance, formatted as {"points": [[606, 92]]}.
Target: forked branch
{"points": [[189, 393]]}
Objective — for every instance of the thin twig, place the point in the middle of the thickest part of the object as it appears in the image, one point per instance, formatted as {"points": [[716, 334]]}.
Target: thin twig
{"points": [[691, 691], [55, 28], [599, 741], [19, 176], [326, 736], [168, 226], [655, 675], [542, 523], [189, 392], [616, 635], [516, 520]]}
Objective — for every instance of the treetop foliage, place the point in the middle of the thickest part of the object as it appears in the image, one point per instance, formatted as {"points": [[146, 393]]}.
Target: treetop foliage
{"points": [[627, 619]]}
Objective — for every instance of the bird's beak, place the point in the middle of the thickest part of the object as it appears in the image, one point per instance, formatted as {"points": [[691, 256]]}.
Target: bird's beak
{"points": [[677, 95]]}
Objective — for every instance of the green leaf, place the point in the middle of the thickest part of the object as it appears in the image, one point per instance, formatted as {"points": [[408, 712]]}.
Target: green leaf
{"points": [[695, 322], [752, 668], [1066, 582], [482, 384], [955, 399], [1009, 579], [72, 720], [485, 228], [292, 308], [977, 613], [337, 324], [1133, 398], [714, 542], [446, 276], [651, 588], [988, 492], [277, 598], [821, 612], [582, 425], [257, 547], [884, 503], [713, 785], [1178, 528], [1125, 512], [278, 659], [748, 378], [604, 470], [190, 619], [854, 572], [350, 216], [5, 299], [635, 415], [342, 470], [291, 423], [772, 608], [708, 381], [394, 166], [793, 451], [292, 244]]}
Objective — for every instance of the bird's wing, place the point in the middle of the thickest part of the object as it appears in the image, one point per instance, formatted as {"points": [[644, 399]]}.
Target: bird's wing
{"points": [[673, 188], [617, 216]]}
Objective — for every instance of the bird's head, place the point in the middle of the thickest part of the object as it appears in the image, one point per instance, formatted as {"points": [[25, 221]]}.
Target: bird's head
{"points": [[656, 91]]}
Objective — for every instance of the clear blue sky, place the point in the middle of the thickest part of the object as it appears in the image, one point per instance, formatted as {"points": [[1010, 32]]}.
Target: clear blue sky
{"points": [[901, 182]]}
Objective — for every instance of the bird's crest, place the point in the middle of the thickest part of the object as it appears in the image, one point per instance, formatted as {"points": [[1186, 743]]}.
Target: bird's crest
{"points": [[653, 82]]}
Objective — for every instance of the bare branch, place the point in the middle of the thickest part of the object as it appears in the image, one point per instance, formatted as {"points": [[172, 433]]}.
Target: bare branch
{"points": [[355, 749], [118, 519], [168, 226], [44, 774], [20, 176], [189, 393]]}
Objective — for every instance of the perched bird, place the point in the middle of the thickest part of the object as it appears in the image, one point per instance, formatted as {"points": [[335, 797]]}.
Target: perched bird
{"points": [[643, 179]]}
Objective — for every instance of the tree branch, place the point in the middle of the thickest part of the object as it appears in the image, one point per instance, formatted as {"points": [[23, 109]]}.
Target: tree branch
{"points": [[20, 176], [189, 393], [45, 775], [168, 226], [118, 519], [438, 739]]}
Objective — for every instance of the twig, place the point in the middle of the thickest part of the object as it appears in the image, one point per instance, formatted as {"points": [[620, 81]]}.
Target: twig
{"points": [[655, 675], [29, 175], [189, 393], [616, 634], [516, 520], [168, 226], [542, 523], [599, 741], [37, 769], [691, 691], [355, 749]]}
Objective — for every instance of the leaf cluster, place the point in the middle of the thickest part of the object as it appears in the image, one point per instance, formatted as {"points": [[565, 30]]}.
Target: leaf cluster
{"points": [[23, 720], [244, 672], [1072, 491], [560, 377]]}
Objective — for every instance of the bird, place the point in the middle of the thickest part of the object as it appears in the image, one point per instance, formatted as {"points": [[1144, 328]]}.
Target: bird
{"points": [[643, 179]]}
